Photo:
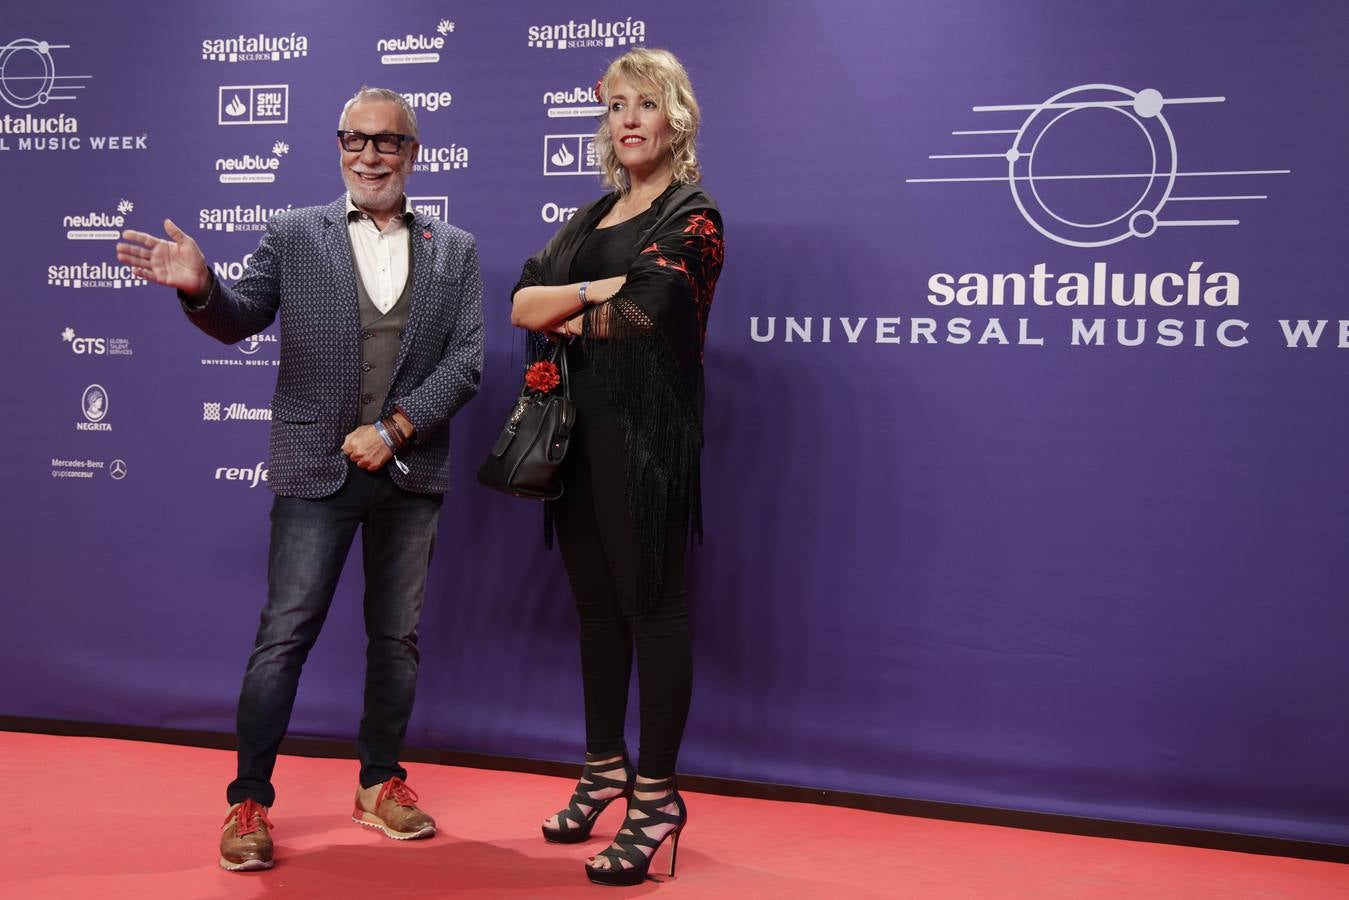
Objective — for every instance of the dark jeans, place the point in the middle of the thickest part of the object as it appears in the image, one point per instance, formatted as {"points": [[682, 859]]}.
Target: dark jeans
{"points": [[310, 541], [601, 553]]}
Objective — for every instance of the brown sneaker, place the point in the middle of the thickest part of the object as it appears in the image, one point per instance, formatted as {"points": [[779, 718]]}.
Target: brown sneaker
{"points": [[392, 808], [246, 841]]}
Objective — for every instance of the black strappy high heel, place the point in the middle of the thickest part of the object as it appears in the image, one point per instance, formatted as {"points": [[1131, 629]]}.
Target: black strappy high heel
{"points": [[632, 837], [574, 823]]}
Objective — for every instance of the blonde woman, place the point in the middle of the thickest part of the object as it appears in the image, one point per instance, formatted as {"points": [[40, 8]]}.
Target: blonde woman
{"points": [[628, 282]]}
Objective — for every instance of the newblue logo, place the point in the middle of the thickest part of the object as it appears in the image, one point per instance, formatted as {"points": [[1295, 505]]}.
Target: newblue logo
{"points": [[414, 49], [570, 154], [98, 226], [252, 168], [253, 104], [579, 101]]}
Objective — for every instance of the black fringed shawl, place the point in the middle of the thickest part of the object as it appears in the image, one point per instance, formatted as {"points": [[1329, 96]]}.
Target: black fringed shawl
{"points": [[651, 361]]}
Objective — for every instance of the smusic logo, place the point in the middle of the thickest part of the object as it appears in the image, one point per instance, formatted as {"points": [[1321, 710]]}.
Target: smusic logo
{"points": [[253, 104]]}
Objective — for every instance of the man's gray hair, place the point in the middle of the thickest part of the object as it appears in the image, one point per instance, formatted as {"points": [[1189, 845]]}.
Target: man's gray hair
{"points": [[372, 93]]}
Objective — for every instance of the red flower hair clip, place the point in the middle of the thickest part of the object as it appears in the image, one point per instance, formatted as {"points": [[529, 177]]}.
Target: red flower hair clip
{"points": [[542, 376], [599, 90]]}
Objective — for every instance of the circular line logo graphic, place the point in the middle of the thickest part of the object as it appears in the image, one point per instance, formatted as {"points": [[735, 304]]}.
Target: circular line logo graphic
{"points": [[1139, 219], [117, 470], [20, 84]]}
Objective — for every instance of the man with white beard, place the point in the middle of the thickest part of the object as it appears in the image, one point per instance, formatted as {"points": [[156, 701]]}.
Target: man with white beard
{"points": [[381, 343]]}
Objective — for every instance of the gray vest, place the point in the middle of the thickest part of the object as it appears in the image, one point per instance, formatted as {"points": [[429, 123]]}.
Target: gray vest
{"points": [[381, 336]]}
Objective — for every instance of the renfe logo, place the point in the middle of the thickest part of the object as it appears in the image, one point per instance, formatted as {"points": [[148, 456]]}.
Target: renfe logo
{"points": [[1060, 195], [253, 476]]}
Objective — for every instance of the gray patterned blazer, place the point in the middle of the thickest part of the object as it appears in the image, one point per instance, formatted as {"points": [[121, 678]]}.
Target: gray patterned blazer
{"points": [[304, 272]]}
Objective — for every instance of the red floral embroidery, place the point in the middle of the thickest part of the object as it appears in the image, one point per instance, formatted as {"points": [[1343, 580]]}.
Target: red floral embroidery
{"points": [[542, 376]]}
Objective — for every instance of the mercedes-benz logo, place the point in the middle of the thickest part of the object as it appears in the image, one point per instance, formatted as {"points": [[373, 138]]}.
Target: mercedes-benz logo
{"points": [[117, 470]]}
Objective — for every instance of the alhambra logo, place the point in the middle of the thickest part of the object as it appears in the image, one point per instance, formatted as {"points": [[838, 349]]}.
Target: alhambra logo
{"points": [[414, 49], [252, 168], [98, 226], [1131, 186], [235, 412], [255, 48], [571, 34], [36, 78]]}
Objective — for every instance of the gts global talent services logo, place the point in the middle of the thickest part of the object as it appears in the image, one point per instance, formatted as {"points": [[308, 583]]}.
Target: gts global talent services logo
{"points": [[237, 218], [98, 226], [253, 104], [571, 34], [33, 74], [414, 49], [252, 168], [95, 346], [255, 48]]}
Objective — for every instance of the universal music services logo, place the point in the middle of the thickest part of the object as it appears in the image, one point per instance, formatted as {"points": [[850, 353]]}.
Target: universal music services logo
{"points": [[95, 346], [414, 49], [252, 168], [98, 226], [571, 34], [32, 75], [570, 154], [94, 407], [1098, 208], [253, 104], [255, 48]]}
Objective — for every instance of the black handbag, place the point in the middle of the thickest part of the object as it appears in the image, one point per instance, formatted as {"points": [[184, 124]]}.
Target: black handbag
{"points": [[526, 459]]}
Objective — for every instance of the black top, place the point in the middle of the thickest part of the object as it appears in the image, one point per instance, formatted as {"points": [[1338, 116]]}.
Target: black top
{"points": [[607, 252]]}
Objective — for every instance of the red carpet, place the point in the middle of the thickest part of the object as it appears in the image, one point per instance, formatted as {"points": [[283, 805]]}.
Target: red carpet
{"points": [[106, 819]]}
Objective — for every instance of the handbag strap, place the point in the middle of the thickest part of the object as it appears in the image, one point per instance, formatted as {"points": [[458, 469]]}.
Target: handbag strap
{"points": [[560, 360]]}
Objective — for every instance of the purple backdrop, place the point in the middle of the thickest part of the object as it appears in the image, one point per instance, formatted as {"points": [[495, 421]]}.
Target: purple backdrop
{"points": [[1023, 564]]}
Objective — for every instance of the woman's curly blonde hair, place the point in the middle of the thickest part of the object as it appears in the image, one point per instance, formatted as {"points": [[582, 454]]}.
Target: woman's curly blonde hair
{"points": [[659, 74]]}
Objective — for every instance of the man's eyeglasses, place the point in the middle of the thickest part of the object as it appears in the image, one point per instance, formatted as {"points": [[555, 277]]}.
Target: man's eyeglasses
{"points": [[389, 144]]}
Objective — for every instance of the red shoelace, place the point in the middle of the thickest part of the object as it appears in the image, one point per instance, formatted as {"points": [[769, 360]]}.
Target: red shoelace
{"points": [[249, 812], [398, 789]]}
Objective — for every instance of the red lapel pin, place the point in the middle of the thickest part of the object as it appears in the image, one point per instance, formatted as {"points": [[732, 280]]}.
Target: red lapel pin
{"points": [[427, 235]]}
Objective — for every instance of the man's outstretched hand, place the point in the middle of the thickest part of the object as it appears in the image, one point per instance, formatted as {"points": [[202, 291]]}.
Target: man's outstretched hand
{"points": [[177, 262]]}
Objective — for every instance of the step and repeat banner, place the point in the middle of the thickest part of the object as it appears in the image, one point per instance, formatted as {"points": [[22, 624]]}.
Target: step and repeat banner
{"points": [[1025, 470]]}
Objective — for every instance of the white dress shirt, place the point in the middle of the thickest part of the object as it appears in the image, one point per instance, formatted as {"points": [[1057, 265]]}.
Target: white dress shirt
{"points": [[381, 256]]}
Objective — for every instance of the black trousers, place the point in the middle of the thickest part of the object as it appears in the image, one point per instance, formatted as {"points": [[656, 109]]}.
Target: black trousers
{"points": [[601, 554]]}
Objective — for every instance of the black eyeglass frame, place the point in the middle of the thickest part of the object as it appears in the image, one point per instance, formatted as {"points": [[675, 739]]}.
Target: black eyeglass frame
{"points": [[344, 134]]}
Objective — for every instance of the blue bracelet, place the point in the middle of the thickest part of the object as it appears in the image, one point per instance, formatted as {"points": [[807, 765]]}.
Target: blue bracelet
{"points": [[384, 435]]}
